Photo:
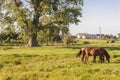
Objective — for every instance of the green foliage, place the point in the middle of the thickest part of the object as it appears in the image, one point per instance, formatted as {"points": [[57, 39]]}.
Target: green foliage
{"points": [[33, 16], [67, 39], [85, 42], [8, 34], [51, 34]]}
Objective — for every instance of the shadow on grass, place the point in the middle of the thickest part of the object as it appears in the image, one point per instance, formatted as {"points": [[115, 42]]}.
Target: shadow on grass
{"points": [[112, 48], [116, 56], [18, 55], [116, 62], [72, 47], [79, 47]]}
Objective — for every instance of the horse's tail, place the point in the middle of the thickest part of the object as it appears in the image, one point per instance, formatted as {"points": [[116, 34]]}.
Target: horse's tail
{"points": [[79, 53], [107, 55]]}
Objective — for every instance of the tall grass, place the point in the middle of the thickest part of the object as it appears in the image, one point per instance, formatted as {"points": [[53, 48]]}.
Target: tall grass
{"points": [[57, 63]]}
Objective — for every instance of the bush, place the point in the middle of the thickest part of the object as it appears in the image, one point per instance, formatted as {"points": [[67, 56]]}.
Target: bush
{"points": [[67, 40], [86, 42]]}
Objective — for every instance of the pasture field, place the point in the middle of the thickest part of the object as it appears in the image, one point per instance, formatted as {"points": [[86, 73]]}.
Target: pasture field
{"points": [[58, 62]]}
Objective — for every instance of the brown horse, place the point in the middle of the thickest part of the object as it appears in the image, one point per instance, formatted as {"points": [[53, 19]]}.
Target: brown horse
{"points": [[101, 52]]}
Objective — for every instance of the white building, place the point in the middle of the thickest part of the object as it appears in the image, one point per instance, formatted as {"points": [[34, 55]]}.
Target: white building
{"points": [[86, 35]]}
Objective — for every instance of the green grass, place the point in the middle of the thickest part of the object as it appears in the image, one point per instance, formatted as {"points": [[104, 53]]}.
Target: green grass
{"points": [[58, 62]]}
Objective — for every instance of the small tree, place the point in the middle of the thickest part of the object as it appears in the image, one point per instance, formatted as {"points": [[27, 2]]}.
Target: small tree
{"points": [[67, 40]]}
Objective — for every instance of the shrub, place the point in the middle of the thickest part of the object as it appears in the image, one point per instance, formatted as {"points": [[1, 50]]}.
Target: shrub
{"points": [[67, 40], [86, 42]]}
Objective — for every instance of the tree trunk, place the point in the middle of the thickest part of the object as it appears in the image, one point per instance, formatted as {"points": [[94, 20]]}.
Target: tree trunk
{"points": [[32, 41]]}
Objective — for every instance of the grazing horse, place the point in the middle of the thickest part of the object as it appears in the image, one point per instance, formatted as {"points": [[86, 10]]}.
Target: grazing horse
{"points": [[101, 52]]}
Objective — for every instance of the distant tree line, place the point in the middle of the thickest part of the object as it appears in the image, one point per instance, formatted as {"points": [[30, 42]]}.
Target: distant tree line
{"points": [[48, 36]]}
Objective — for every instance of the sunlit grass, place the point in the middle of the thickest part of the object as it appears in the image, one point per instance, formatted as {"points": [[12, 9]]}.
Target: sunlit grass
{"points": [[57, 63]]}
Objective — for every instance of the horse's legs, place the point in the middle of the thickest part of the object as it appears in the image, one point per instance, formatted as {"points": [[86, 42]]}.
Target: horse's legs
{"points": [[100, 58], [86, 59], [103, 58], [82, 59], [94, 59]]}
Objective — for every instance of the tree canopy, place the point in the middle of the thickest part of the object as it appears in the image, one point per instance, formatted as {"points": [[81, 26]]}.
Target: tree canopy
{"points": [[33, 16]]}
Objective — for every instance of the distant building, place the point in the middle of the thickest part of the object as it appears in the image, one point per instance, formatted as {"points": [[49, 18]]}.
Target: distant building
{"points": [[93, 36], [90, 36], [82, 35], [118, 35], [100, 35]]}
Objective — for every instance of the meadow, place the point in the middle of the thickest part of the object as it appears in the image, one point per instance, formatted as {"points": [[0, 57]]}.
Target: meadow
{"points": [[58, 62]]}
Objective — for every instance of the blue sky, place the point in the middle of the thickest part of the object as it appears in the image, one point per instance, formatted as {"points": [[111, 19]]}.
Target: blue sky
{"points": [[99, 13]]}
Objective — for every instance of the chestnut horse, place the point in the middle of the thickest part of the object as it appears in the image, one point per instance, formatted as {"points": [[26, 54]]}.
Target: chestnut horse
{"points": [[101, 52]]}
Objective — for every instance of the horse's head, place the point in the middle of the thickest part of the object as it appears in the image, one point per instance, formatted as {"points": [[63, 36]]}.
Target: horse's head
{"points": [[108, 58], [106, 55]]}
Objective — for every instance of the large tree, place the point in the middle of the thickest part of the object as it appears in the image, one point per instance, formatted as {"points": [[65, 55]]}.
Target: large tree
{"points": [[31, 16]]}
